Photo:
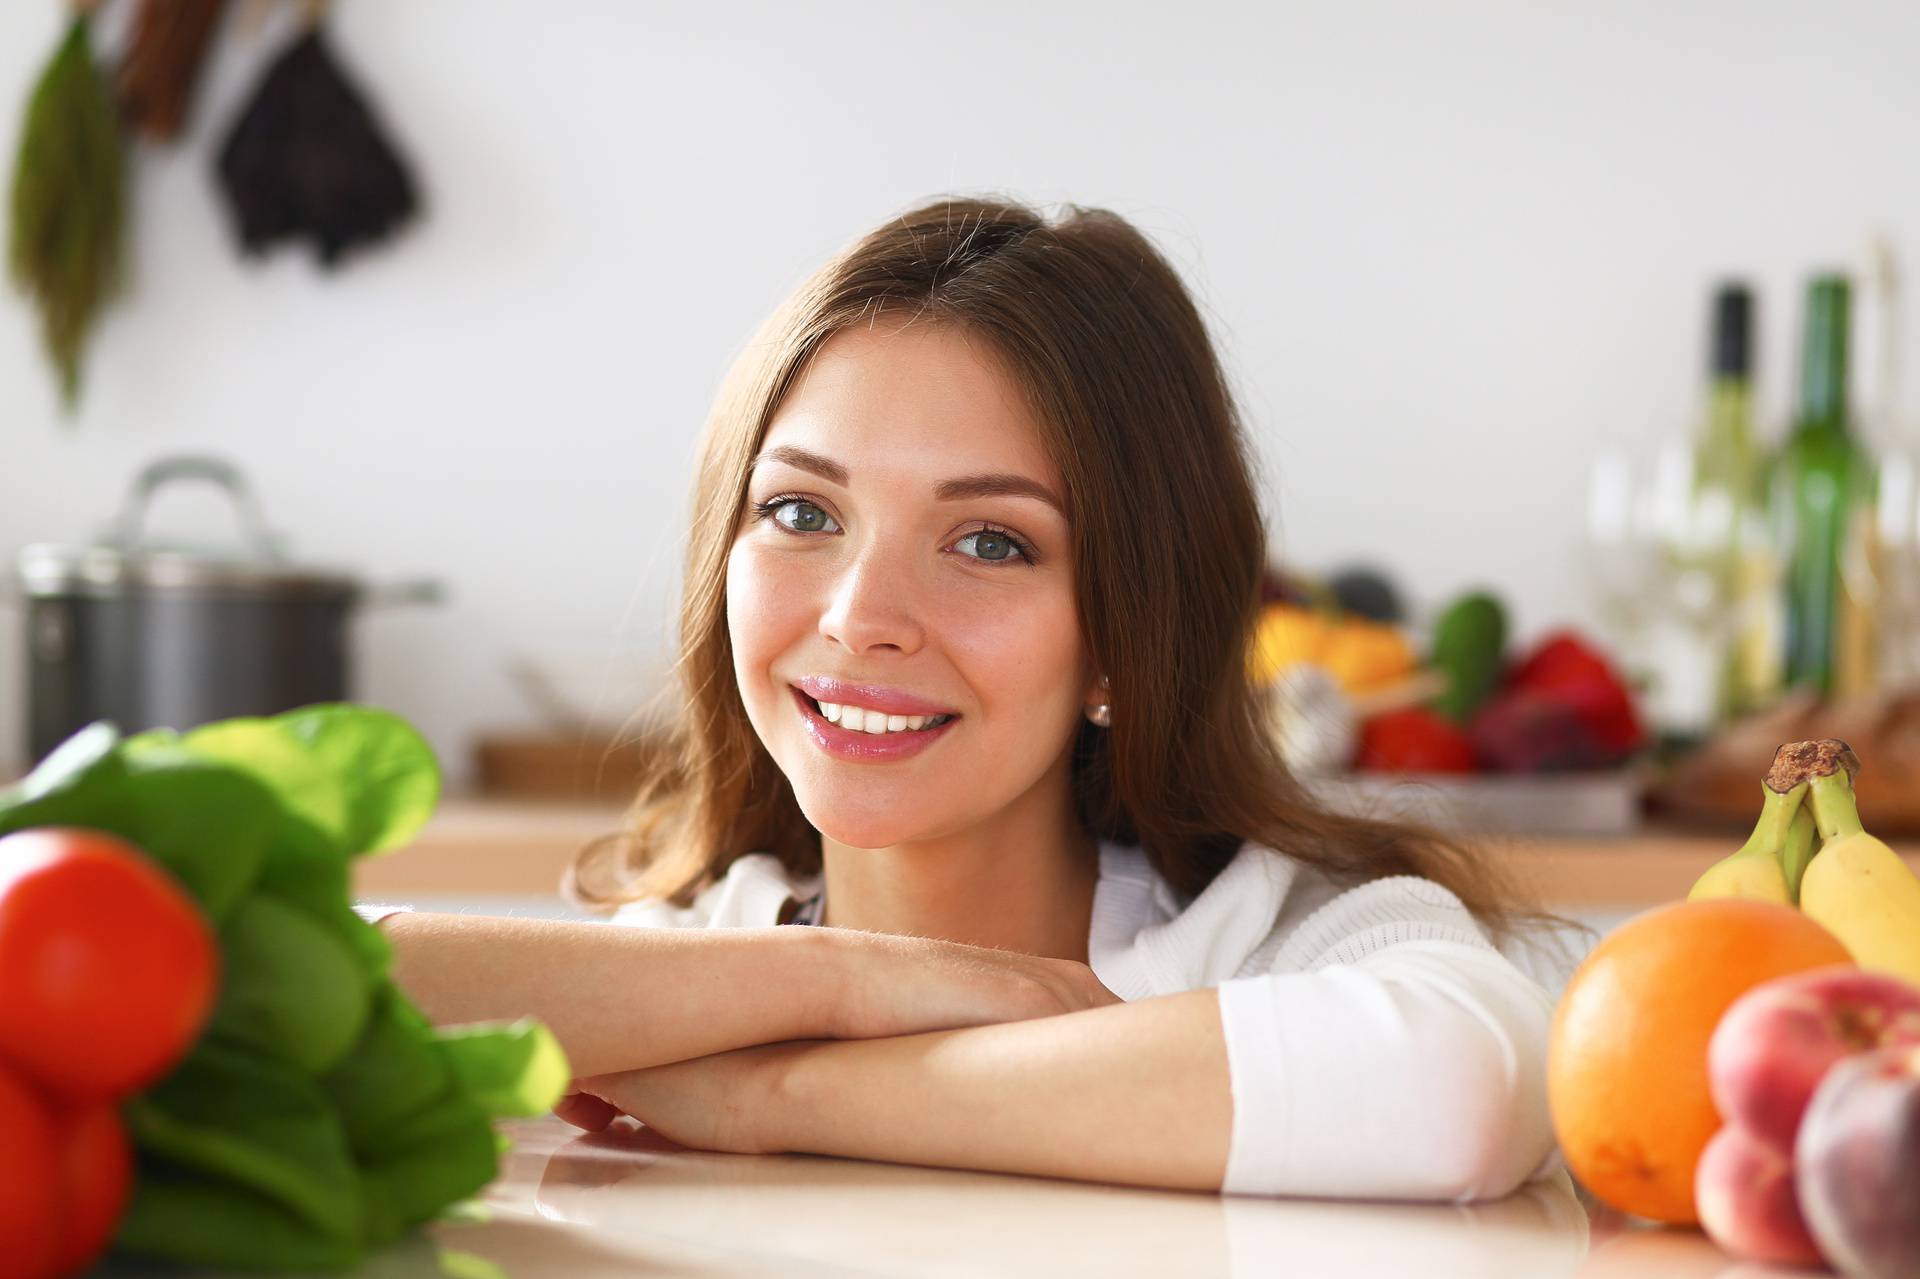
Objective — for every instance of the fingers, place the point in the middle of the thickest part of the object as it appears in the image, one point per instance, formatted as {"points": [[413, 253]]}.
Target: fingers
{"points": [[584, 1110]]}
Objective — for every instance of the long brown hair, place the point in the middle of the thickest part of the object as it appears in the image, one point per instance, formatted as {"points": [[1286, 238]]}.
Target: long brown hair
{"points": [[1168, 549]]}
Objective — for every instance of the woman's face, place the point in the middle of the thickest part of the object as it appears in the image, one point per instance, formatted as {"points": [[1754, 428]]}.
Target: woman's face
{"points": [[871, 576]]}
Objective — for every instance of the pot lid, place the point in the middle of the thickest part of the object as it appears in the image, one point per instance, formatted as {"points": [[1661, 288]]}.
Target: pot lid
{"points": [[49, 569], [125, 560]]}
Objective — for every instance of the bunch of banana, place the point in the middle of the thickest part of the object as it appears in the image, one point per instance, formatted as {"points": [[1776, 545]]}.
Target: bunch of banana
{"points": [[1849, 881], [1782, 839]]}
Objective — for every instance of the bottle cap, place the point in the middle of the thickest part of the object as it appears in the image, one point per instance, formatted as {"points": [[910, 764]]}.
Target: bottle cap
{"points": [[1732, 331]]}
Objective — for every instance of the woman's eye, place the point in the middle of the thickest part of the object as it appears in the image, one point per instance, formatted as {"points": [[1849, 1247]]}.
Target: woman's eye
{"points": [[991, 545], [807, 518]]}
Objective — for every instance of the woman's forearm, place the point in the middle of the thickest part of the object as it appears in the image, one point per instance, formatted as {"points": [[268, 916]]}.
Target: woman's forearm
{"points": [[619, 998], [1135, 1093]]}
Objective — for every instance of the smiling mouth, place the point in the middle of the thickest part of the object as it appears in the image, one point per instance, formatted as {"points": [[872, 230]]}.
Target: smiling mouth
{"points": [[843, 717]]}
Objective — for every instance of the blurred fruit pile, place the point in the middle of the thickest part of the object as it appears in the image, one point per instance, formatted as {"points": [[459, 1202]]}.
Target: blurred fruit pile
{"points": [[1749, 1060], [1353, 688]]}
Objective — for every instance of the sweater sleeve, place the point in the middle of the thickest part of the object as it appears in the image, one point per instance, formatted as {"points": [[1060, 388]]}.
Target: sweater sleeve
{"points": [[1407, 1064]]}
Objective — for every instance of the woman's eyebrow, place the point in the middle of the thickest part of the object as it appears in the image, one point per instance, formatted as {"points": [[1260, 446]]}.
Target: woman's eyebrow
{"points": [[993, 484]]}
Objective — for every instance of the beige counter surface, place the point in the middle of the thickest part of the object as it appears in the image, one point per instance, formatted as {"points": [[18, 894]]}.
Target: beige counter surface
{"points": [[572, 1205], [569, 1205], [502, 847]]}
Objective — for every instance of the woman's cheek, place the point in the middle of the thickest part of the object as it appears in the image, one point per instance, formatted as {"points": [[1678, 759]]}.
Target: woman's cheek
{"points": [[1021, 647], [751, 620]]}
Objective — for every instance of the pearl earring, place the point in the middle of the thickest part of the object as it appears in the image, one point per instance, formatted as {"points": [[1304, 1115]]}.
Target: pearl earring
{"points": [[1101, 713]]}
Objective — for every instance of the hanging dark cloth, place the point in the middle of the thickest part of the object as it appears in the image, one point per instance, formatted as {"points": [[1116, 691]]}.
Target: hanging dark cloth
{"points": [[308, 160]]}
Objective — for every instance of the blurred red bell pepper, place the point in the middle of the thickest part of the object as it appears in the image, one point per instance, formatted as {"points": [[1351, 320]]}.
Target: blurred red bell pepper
{"points": [[1565, 669]]}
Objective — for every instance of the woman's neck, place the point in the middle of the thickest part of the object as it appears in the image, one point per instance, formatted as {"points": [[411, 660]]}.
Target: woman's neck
{"points": [[1021, 881]]}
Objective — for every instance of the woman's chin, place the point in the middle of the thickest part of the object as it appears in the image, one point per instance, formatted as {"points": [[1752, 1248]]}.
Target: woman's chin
{"points": [[855, 826]]}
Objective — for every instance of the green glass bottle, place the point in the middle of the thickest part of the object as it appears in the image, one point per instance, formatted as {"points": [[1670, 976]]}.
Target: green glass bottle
{"points": [[1824, 494]]}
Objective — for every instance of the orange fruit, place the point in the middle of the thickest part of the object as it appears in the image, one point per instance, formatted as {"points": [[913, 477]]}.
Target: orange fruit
{"points": [[1627, 1058]]}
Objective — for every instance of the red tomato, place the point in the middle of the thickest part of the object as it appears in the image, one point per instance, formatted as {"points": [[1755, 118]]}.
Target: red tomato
{"points": [[96, 1174], [1414, 740], [29, 1190], [108, 969]]}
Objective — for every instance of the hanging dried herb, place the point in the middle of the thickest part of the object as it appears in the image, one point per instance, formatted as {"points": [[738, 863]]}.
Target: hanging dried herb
{"points": [[307, 159], [162, 64], [69, 202]]}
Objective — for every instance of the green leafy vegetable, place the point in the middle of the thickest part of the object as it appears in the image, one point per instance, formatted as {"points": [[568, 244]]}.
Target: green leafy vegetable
{"points": [[518, 1069], [160, 798], [210, 1221], [293, 989], [362, 778], [320, 1115], [387, 768], [256, 1121], [392, 1074], [436, 1157]]}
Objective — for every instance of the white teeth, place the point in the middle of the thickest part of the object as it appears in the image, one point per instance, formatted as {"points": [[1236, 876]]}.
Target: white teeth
{"points": [[858, 719]]}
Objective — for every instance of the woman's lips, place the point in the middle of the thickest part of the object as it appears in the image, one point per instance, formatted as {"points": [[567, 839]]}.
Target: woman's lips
{"points": [[829, 690], [850, 744]]}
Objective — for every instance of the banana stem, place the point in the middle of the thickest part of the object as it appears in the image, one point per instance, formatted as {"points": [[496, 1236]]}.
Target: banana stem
{"points": [[1801, 839], [1834, 809], [1777, 809]]}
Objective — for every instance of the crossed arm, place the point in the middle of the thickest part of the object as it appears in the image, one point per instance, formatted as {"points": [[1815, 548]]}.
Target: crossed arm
{"points": [[846, 1043], [1134, 1093], [1417, 1072], [1414, 1073]]}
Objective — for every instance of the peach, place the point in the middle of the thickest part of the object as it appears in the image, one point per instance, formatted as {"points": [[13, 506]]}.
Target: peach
{"points": [[1858, 1165], [1774, 1044], [1744, 1189]]}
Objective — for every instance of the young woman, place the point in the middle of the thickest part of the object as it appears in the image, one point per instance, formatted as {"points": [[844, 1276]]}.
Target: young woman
{"points": [[973, 571]]}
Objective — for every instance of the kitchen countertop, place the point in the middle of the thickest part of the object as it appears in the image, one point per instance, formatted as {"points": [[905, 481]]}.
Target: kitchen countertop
{"points": [[626, 1203], [502, 847]]}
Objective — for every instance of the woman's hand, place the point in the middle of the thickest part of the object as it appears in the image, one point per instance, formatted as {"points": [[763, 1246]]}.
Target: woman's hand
{"points": [[893, 985], [583, 1109], [723, 1102]]}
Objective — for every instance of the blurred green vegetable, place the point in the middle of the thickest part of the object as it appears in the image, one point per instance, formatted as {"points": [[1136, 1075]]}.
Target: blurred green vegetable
{"points": [[320, 1115], [1469, 646], [68, 201]]}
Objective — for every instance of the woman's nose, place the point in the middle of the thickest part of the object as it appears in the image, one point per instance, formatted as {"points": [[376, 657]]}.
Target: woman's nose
{"points": [[873, 601]]}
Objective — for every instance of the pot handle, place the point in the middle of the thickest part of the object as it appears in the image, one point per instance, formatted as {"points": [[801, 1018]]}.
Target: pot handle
{"points": [[419, 591], [127, 529]]}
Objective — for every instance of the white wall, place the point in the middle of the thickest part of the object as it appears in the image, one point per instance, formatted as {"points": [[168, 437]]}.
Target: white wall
{"points": [[1450, 249]]}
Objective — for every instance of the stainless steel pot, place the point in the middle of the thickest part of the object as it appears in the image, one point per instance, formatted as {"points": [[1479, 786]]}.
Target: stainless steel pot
{"points": [[149, 636]]}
